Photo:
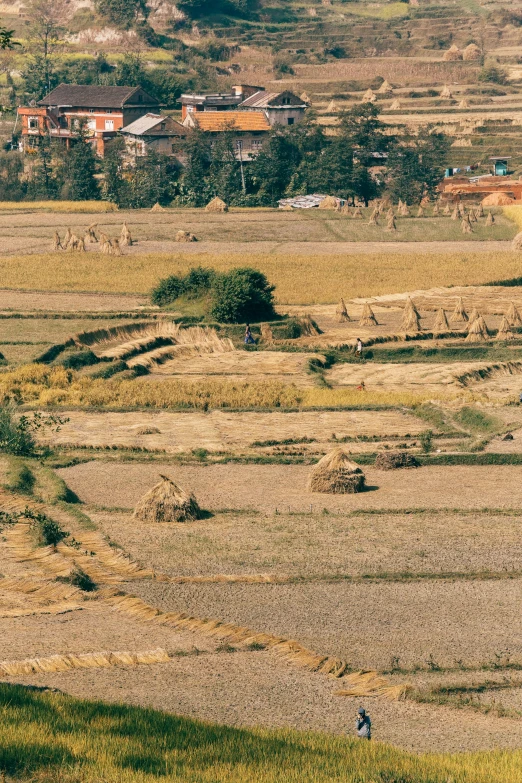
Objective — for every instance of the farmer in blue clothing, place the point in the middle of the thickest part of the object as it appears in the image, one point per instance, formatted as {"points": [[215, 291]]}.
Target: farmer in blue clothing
{"points": [[363, 725]]}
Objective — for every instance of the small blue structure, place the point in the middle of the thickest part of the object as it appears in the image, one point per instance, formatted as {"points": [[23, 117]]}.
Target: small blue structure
{"points": [[500, 166]]}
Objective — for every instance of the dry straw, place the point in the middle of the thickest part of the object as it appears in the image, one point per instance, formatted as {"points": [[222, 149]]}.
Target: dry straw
{"points": [[465, 226], [404, 210], [357, 213], [341, 312], [441, 322], [157, 207], [490, 220], [267, 334], [373, 219], [369, 96], [477, 331], [446, 211], [167, 502], [459, 315], [336, 474], [517, 242], [471, 52], [446, 92], [95, 660], [436, 210], [185, 236], [505, 332], [125, 236], [455, 214], [395, 460], [57, 243], [216, 205], [391, 225], [452, 54], [332, 108], [368, 683], [410, 317], [395, 105], [385, 87], [367, 317], [420, 212], [329, 202], [513, 316]]}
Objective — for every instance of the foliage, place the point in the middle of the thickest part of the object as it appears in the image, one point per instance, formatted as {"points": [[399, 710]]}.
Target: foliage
{"points": [[12, 183], [197, 8], [151, 178], [48, 19], [196, 283], [122, 13], [75, 361], [491, 73], [415, 166], [242, 295], [6, 38], [426, 441], [80, 579], [17, 431], [198, 155], [21, 478], [80, 166], [45, 179], [50, 531]]}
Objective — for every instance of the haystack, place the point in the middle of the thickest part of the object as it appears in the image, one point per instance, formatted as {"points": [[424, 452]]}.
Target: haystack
{"points": [[330, 202], [394, 460], [80, 245], [304, 97], [446, 211], [497, 200], [185, 236], [479, 211], [369, 96], [166, 502], [67, 239], [504, 330], [436, 210], [336, 474], [517, 242], [72, 244], [390, 213], [472, 218], [410, 317], [90, 234], [471, 52], [385, 87], [462, 209], [463, 104], [157, 207], [452, 54], [367, 316], [357, 213], [345, 209], [455, 214], [125, 236], [342, 312], [489, 220], [477, 331], [459, 315], [391, 225], [216, 205], [441, 322], [472, 318], [420, 212], [373, 218], [115, 248], [513, 316], [267, 334], [465, 226], [446, 92], [404, 210], [395, 105], [332, 108], [57, 243]]}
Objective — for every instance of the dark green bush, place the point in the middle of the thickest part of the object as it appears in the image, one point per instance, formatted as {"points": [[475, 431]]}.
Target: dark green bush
{"points": [[242, 295], [22, 479], [195, 284], [75, 361], [167, 291]]}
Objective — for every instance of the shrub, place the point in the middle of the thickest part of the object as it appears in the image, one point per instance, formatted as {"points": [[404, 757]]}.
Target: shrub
{"points": [[80, 579], [17, 432], [491, 73], [75, 361], [21, 479], [50, 532], [426, 441], [167, 291], [242, 295], [195, 283]]}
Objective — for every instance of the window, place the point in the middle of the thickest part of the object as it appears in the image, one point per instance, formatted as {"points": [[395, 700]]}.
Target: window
{"points": [[91, 125], [257, 144], [291, 120], [91, 111], [163, 125], [286, 101], [32, 123], [109, 125], [190, 109]]}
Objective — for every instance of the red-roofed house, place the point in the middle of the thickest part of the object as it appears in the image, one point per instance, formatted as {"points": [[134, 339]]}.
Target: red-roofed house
{"points": [[250, 129]]}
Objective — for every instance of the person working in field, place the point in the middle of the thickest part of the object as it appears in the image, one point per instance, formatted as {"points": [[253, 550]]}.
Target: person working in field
{"points": [[249, 338], [359, 348], [363, 725]]}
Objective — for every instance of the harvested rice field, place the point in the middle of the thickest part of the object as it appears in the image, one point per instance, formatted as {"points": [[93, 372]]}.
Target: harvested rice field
{"points": [[266, 488]]}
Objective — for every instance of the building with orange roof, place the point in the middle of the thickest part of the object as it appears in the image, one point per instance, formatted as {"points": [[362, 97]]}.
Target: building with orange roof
{"points": [[249, 129]]}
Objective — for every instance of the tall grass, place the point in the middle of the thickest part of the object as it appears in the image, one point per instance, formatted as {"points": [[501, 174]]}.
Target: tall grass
{"points": [[55, 386], [58, 739], [58, 206], [298, 279], [514, 213]]}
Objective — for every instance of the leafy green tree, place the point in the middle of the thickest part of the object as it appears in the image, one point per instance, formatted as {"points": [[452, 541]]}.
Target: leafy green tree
{"points": [[48, 19], [6, 38], [271, 171], [364, 132], [198, 153], [80, 165], [242, 295], [416, 164], [152, 179], [224, 175], [123, 13], [12, 185], [197, 8], [44, 179], [115, 186]]}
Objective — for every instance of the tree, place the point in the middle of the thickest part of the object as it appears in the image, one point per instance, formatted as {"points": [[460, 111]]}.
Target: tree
{"points": [[224, 175], [115, 186], [123, 13], [242, 295], [12, 186], [416, 163], [6, 38], [151, 180], [44, 182], [364, 132], [197, 8], [47, 25], [272, 169], [80, 168], [197, 153]]}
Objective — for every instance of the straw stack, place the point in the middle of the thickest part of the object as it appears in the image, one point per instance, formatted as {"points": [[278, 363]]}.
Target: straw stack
{"points": [[459, 315], [505, 332], [391, 226], [367, 317], [472, 318], [436, 210], [446, 92], [489, 220], [216, 205], [404, 210], [478, 331], [410, 318], [166, 502], [513, 316], [465, 226], [446, 211], [455, 214], [342, 312], [420, 212], [441, 322], [57, 243], [357, 213], [125, 236], [336, 474]]}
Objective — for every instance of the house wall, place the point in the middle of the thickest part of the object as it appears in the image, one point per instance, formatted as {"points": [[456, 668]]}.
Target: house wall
{"points": [[281, 116]]}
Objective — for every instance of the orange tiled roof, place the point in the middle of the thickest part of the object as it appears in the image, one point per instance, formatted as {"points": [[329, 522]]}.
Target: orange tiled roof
{"points": [[239, 120]]}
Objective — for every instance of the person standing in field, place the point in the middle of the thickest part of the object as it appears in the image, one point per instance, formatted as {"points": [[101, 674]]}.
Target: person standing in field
{"points": [[363, 725], [359, 348], [249, 339]]}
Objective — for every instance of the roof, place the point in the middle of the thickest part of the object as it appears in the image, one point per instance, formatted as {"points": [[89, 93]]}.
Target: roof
{"points": [[238, 120], [501, 157], [211, 99], [96, 96], [264, 99], [149, 122]]}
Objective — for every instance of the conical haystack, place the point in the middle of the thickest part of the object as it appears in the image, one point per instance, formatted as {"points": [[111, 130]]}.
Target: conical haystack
{"points": [[390, 213], [395, 105], [125, 236], [462, 209], [342, 312], [446, 92], [441, 322], [90, 234], [304, 97], [369, 96], [517, 242], [157, 207], [489, 220], [513, 316], [471, 52], [420, 212], [367, 316], [472, 318], [267, 334], [166, 502], [465, 227], [459, 315], [330, 202], [391, 225], [332, 108], [57, 243], [357, 213], [410, 317], [336, 474], [472, 218], [345, 209], [504, 330], [479, 211], [477, 331], [463, 104], [373, 219], [385, 87], [446, 211], [216, 205], [455, 214], [452, 54], [404, 210], [436, 210], [67, 239], [185, 236]]}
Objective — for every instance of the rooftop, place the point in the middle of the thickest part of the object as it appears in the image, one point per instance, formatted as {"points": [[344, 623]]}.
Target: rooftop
{"points": [[237, 120], [150, 121], [264, 99], [97, 97]]}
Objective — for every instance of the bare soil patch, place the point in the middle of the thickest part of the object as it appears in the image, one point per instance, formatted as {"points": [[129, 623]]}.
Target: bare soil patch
{"points": [[283, 487]]}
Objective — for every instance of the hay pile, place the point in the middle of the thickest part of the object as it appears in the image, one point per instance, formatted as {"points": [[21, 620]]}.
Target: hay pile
{"points": [[332, 108], [436, 210], [441, 322], [385, 87], [336, 474], [459, 315], [345, 209], [446, 92], [216, 205], [497, 200], [477, 331], [57, 242], [410, 318], [452, 54], [166, 502], [394, 460], [463, 104], [185, 236], [90, 234], [404, 210], [367, 317], [373, 221], [395, 105], [420, 212], [517, 242], [465, 226], [330, 202], [157, 207], [391, 225], [304, 97], [455, 214], [504, 331], [342, 312], [369, 96], [513, 316], [446, 211], [472, 317], [357, 213], [125, 236], [479, 211], [267, 334], [471, 52]]}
